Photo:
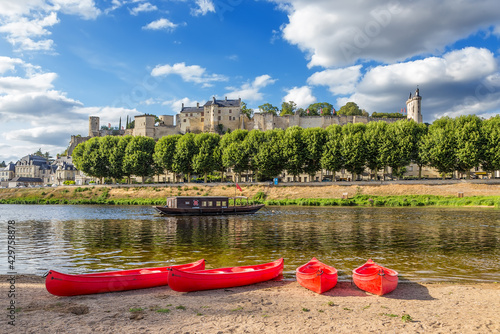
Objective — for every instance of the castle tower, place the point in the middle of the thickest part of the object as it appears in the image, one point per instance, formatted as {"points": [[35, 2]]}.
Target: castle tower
{"points": [[414, 107], [93, 126], [144, 125]]}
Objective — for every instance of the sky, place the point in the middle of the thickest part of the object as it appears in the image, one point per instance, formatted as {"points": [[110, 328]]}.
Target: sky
{"points": [[62, 61]]}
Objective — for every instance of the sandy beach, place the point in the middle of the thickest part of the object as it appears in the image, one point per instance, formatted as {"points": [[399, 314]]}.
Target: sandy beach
{"points": [[280, 306]]}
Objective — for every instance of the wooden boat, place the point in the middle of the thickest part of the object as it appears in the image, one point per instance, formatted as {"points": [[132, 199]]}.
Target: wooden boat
{"points": [[73, 285], [184, 281], [375, 279], [316, 276], [205, 205]]}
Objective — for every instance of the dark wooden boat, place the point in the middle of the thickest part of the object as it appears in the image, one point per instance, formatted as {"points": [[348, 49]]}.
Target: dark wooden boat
{"points": [[221, 278], [316, 276], [205, 206], [60, 284], [374, 278]]}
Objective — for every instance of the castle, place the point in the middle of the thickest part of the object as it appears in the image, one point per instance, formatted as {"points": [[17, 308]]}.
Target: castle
{"points": [[222, 115]]}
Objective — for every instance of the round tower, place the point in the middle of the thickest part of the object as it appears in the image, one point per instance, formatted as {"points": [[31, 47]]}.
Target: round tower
{"points": [[93, 126], [414, 107]]}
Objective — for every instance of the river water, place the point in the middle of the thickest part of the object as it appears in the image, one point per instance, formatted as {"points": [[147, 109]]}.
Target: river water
{"points": [[422, 244]]}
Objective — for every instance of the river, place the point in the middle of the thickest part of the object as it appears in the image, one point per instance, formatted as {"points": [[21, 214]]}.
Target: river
{"points": [[422, 244]]}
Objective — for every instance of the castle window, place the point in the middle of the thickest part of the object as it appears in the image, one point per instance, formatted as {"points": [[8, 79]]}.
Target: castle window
{"points": [[184, 120], [219, 111], [202, 114], [230, 111], [219, 118], [202, 119], [191, 114]]}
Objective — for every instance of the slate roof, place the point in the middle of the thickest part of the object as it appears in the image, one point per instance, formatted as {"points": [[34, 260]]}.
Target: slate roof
{"points": [[224, 103], [27, 179]]}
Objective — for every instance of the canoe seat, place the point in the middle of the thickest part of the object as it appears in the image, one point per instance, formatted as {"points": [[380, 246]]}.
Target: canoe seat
{"points": [[145, 271], [238, 270]]}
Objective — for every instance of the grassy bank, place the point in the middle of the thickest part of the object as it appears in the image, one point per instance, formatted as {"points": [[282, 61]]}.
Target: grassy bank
{"points": [[328, 195]]}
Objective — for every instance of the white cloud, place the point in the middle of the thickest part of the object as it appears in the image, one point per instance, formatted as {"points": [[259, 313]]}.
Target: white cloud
{"points": [[251, 91], [21, 33], [83, 8], [341, 33], [458, 83], [204, 7], [302, 96], [176, 105], [161, 24], [142, 8], [190, 73], [340, 81]]}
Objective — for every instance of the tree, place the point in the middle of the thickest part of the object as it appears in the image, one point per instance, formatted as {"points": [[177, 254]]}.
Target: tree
{"points": [[269, 160], [353, 148], [375, 133], [268, 108], [418, 158], [351, 109], [469, 141], [491, 155], [438, 146], [288, 108], [107, 148], [138, 158], [294, 150], [184, 152], [252, 143], [314, 142], [88, 158], [235, 152], [116, 159], [332, 159], [2, 164], [204, 159], [398, 146], [165, 151], [246, 111], [320, 109]]}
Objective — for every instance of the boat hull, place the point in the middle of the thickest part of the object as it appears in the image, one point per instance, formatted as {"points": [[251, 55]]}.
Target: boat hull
{"points": [[60, 284], [316, 276], [222, 278], [375, 279], [238, 210]]}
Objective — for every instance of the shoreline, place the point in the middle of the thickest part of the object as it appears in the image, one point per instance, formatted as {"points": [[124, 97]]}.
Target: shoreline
{"points": [[467, 194], [270, 307]]}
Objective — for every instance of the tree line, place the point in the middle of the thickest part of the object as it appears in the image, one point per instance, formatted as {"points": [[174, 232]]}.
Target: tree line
{"points": [[448, 145]]}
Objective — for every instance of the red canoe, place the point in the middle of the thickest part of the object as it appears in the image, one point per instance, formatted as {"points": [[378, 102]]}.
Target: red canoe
{"points": [[73, 285], [221, 278], [375, 279], [316, 276]]}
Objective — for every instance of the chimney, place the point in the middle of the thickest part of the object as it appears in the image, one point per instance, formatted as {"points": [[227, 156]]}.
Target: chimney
{"points": [[182, 106], [197, 104], [226, 98]]}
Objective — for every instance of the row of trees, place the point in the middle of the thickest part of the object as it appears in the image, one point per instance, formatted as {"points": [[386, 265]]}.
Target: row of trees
{"points": [[448, 145]]}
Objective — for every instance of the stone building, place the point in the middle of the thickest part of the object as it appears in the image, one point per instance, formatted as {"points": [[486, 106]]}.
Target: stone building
{"points": [[34, 166]]}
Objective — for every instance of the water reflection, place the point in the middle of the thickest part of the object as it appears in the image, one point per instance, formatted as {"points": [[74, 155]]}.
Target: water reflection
{"points": [[423, 244]]}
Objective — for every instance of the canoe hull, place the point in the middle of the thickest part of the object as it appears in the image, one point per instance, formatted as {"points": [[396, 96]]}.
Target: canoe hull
{"points": [[60, 284], [316, 276], [221, 278], [238, 210], [375, 279]]}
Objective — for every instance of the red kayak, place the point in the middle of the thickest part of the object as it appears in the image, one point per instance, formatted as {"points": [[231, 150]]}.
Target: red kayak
{"points": [[316, 276], [73, 285], [375, 279], [221, 278]]}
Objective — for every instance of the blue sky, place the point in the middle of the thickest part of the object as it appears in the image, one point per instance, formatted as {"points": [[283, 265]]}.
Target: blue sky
{"points": [[62, 61]]}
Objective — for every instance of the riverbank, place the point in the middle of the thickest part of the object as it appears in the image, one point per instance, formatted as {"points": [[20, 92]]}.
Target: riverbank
{"points": [[269, 307], [361, 194]]}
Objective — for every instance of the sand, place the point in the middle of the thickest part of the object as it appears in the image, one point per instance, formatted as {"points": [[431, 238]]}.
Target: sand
{"points": [[269, 307]]}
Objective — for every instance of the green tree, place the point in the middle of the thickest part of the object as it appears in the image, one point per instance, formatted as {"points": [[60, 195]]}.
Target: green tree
{"points": [[252, 143], [246, 111], [294, 150], [320, 109], [399, 145], [88, 158], [332, 159], [268, 108], [165, 151], [288, 108], [204, 159], [438, 146], [184, 153], [269, 160], [138, 158], [350, 109], [353, 148], [314, 142], [2, 164], [469, 143], [375, 134], [491, 154], [417, 156], [235, 152], [107, 148], [116, 159]]}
